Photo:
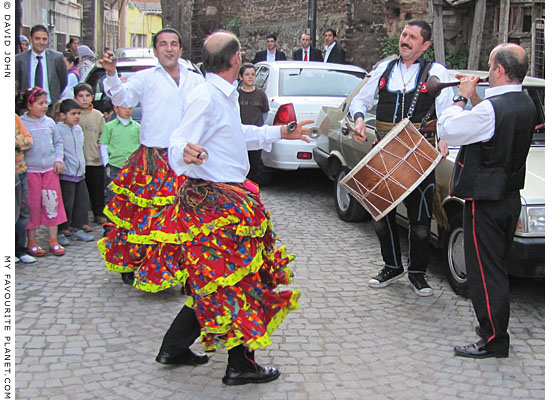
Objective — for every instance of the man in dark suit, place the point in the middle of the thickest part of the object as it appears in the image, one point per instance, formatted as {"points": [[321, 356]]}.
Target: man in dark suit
{"points": [[333, 52], [41, 67], [271, 53], [307, 52]]}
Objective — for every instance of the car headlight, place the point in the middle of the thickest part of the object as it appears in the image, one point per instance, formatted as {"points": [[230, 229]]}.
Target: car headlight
{"points": [[531, 221]]}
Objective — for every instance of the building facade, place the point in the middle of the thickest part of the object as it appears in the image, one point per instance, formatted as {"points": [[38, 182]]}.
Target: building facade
{"points": [[143, 21], [63, 19], [100, 26]]}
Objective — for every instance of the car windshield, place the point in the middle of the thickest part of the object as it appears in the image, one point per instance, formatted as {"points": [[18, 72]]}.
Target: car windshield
{"points": [[318, 82], [536, 93]]}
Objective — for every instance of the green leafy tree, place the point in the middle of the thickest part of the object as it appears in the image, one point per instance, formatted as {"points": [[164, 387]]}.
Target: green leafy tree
{"points": [[234, 24], [457, 58]]}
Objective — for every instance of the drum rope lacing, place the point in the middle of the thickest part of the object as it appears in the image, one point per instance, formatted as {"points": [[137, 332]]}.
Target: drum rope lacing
{"points": [[388, 175]]}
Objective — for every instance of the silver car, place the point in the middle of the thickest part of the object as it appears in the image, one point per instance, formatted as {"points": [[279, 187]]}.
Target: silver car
{"points": [[340, 153], [297, 91]]}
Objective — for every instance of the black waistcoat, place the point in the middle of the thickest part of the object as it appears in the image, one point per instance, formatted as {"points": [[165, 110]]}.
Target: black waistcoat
{"points": [[489, 170], [389, 107]]}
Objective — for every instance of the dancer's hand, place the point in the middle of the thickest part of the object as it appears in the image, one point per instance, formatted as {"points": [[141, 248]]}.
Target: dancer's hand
{"points": [[194, 154]]}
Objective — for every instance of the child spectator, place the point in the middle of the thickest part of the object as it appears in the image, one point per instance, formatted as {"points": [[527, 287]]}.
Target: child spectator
{"points": [[72, 181], [73, 75], [106, 107], [121, 138], [253, 105], [44, 164], [24, 141], [92, 123]]}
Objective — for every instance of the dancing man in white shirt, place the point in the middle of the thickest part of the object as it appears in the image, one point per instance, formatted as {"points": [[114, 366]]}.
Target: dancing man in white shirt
{"points": [[220, 229], [147, 185]]}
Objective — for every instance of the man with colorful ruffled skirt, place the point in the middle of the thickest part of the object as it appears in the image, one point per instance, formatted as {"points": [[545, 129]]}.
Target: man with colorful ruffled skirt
{"points": [[146, 185], [218, 232]]}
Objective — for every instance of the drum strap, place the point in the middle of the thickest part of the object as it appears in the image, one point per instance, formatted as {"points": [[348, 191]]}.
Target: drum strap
{"points": [[383, 128], [421, 82], [427, 116]]}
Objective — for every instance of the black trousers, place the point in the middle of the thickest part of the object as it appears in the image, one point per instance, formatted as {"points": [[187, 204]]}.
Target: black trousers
{"points": [[256, 166], [76, 203], [95, 181], [182, 333], [184, 330], [419, 211], [489, 228], [111, 173]]}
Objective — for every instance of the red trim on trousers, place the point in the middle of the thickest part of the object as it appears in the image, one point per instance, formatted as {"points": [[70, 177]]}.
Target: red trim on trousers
{"points": [[483, 278]]}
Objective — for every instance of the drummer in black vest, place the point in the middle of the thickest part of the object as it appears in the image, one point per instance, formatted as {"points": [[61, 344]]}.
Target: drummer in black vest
{"points": [[402, 93], [488, 174]]}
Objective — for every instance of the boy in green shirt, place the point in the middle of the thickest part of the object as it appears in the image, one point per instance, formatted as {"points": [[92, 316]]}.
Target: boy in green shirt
{"points": [[120, 138]]}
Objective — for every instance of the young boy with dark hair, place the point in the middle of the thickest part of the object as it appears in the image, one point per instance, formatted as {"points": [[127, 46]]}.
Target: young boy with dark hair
{"points": [[253, 105], [74, 191], [92, 123]]}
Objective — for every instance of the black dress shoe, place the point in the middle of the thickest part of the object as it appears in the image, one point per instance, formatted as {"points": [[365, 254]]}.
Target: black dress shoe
{"points": [[262, 375], [127, 278], [473, 351], [188, 357]]}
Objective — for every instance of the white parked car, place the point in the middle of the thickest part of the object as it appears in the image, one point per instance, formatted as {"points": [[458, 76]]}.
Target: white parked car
{"points": [[297, 91]]}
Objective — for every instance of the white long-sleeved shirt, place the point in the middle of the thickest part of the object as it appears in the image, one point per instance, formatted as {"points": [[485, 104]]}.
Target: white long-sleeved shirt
{"points": [[328, 50], [270, 56], [461, 127], [401, 77], [212, 120], [162, 101]]}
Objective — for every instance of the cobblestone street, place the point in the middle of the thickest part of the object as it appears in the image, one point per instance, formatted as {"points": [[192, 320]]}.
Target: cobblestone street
{"points": [[82, 334]]}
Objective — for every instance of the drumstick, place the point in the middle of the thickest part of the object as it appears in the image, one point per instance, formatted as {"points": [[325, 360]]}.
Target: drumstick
{"points": [[353, 131]]}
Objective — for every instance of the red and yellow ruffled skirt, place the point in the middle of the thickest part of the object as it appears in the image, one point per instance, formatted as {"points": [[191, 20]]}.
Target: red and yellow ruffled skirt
{"points": [[145, 188], [216, 239]]}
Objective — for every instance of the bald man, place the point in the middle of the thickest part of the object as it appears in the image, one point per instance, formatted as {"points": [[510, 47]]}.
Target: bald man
{"points": [[488, 174], [230, 259]]}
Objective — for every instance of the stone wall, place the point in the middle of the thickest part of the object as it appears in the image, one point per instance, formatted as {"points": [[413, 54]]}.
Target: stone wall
{"points": [[361, 25]]}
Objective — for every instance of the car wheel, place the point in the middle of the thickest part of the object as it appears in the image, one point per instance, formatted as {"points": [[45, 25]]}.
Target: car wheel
{"points": [[347, 207], [454, 254]]}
